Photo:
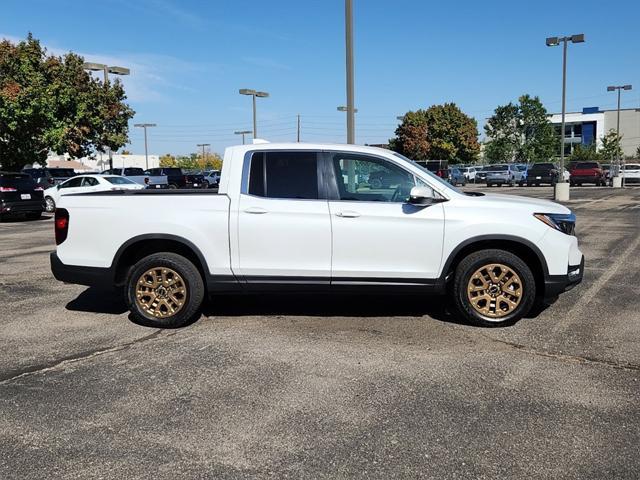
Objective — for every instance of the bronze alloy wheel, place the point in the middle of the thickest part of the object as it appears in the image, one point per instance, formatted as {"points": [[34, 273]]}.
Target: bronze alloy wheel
{"points": [[161, 292], [495, 290]]}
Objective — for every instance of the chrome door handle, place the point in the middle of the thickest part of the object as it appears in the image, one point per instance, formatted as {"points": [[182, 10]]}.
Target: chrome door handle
{"points": [[256, 210], [348, 214]]}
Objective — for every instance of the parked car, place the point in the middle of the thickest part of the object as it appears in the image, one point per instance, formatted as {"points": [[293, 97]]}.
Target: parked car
{"points": [[470, 173], [502, 174], [587, 172], [384, 178], [440, 168], [20, 195], [292, 217], [542, 173], [46, 177], [456, 177], [137, 175], [481, 175], [86, 184], [176, 178], [211, 178], [631, 173]]}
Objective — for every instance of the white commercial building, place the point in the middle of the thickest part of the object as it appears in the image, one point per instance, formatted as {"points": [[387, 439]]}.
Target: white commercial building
{"points": [[100, 162]]}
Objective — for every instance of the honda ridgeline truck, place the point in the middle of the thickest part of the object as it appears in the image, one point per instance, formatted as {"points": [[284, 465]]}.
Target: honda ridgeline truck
{"points": [[306, 217]]}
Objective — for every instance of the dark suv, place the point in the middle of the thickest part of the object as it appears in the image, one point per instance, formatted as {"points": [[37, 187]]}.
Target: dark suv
{"points": [[48, 177], [19, 195], [176, 178], [539, 173]]}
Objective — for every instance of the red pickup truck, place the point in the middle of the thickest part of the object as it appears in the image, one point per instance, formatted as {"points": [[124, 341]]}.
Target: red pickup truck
{"points": [[587, 172]]}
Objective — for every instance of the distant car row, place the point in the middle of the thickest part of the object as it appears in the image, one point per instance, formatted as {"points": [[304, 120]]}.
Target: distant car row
{"points": [[153, 178]]}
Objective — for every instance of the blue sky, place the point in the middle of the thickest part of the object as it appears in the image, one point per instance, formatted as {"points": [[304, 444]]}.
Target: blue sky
{"points": [[189, 58]]}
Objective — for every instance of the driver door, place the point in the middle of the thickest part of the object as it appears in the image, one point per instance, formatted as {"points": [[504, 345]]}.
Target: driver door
{"points": [[376, 235]]}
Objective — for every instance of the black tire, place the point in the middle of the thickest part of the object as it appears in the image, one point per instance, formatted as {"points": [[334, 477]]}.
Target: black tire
{"points": [[474, 261], [173, 186], [50, 205], [191, 300]]}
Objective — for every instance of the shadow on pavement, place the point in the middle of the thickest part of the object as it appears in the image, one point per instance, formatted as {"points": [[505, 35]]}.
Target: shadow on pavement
{"points": [[94, 300]]}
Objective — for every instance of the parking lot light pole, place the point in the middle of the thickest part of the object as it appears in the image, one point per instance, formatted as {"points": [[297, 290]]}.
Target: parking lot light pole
{"points": [[106, 69], [616, 180], [146, 154], [350, 108], [254, 94], [243, 133], [562, 187]]}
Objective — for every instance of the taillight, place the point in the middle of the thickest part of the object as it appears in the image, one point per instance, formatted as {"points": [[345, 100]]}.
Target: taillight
{"points": [[146, 180], [7, 189], [39, 189], [50, 180], [61, 223]]}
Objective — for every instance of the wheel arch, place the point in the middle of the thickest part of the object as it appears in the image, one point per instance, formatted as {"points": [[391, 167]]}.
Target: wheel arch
{"points": [[141, 246], [519, 246]]}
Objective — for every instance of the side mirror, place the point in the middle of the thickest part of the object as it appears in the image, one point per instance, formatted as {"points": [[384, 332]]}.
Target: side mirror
{"points": [[422, 196], [58, 186]]}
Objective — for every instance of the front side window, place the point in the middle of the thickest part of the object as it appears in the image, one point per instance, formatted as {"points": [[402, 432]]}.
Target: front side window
{"points": [[370, 179], [74, 182], [284, 175]]}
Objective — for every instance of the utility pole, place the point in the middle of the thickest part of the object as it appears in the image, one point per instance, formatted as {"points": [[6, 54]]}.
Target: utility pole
{"points": [[351, 118], [203, 154], [106, 70], [146, 153], [298, 128]]}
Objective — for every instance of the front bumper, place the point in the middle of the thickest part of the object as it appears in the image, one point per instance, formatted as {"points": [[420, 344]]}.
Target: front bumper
{"points": [[554, 285]]}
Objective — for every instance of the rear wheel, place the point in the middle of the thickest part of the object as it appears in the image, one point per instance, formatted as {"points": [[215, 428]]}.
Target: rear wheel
{"points": [[173, 186], [493, 288], [164, 290], [49, 205]]}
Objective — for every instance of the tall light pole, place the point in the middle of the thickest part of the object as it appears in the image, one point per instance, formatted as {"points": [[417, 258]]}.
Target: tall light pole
{"points": [[343, 108], [351, 117], [616, 180], [146, 154], [254, 94], [106, 69], [203, 145], [562, 187], [243, 133]]}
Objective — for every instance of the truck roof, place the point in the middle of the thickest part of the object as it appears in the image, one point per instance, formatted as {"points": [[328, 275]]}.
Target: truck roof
{"points": [[307, 146]]}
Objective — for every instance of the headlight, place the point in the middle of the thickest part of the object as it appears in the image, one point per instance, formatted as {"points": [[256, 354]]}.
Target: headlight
{"points": [[565, 223]]}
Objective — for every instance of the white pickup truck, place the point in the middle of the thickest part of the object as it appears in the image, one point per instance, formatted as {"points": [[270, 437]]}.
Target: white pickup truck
{"points": [[304, 217]]}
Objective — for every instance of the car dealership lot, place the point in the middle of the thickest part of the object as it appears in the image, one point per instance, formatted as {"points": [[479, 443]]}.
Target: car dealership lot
{"points": [[313, 387]]}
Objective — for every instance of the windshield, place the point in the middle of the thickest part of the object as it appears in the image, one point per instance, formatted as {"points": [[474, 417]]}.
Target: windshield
{"points": [[496, 168], [119, 181], [584, 165], [429, 173]]}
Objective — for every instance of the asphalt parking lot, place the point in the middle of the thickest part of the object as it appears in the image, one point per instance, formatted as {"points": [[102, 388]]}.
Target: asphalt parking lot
{"points": [[324, 387]]}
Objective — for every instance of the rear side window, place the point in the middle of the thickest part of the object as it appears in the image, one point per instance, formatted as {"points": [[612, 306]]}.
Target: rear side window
{"points": [[172, 171], [284, 175], [119, 181], [19, 181]]}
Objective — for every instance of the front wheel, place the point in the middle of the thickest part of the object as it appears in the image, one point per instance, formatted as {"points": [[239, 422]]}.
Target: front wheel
{"points": [[493, 288], [164, 290]]}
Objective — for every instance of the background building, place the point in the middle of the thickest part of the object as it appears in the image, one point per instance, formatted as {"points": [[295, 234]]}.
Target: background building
{"points": [[590, 125], [101, 162]]}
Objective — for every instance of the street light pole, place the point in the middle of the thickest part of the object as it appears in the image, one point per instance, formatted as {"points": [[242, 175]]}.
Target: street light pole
{"points": [[254, 94], [106, 70], [146, 154], [351, 118], [562, 187], [616, 181], [342, 108], [203, 145], [243, 133]]}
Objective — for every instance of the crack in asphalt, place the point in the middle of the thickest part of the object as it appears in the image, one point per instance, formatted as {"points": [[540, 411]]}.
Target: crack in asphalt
{"points": [[564, 356], [87, 354]]}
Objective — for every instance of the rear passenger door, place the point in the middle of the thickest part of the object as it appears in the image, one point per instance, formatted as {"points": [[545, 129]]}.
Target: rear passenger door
{"points": [[284, 229]]}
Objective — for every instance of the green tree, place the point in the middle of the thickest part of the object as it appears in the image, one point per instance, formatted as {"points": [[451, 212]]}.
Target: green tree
{"points": [[168, 160], [441, 132], [520, 132], [638, 153], [611, 148], [582, 153], [50, 103]]}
